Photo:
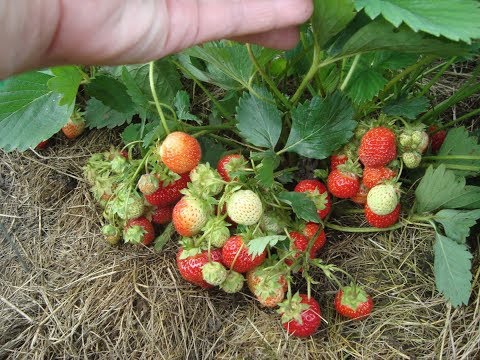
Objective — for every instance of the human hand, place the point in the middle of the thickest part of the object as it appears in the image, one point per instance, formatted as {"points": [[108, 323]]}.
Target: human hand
{"points": [[41, 33]]}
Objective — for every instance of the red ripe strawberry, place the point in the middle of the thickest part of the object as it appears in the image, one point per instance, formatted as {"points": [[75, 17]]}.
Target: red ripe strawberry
{"points": [[378, 147], [436, 138], [189, 216], [361, 197], [382, 221], [191, 267], [236, 257], [353, 302], [374, 176], [318, 193], [162, 215], [74, 127], [301, 316], [342, 184], [301, 241], [309, 231], [138, 231], [230, 163], [170, 194], [180, 152], [42, 145], [336, 160]]}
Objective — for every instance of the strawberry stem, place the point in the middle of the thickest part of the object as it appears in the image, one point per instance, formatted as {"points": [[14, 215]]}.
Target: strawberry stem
{"points": [[155, 97], [361, 229]]}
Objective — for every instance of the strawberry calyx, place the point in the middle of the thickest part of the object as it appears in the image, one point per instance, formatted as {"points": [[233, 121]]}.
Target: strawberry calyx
{"points": [[233, 282], [205, 181], [134, 234], [292, 309], [214, 273], [350, 168], [353, 296], [148, 184]]}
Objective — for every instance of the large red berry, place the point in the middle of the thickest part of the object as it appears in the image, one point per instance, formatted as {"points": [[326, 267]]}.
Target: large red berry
{"points": [[382, 221], [353, 302], [170, 194], [191, 267], [436, 138], [375, 176], [180, 152], [42, 144], [343, 185], [336, 160], [378, 147], [138, 231], [318, 193], [301, 316], [236, 257], [162, 215], [230, 163]]}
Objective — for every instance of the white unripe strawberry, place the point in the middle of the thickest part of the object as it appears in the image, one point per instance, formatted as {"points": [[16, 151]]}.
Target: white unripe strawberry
{"points": [[244, 207], [382, 199]]}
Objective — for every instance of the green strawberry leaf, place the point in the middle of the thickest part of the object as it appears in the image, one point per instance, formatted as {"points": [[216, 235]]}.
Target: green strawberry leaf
{"points": [[212, 151], [301, 205], [98, 115], [441, 189], [321, 126], [166, 80], [380, 35], [66, 81], [457, 20], [407, 108], [259, 120], [258, 245], [161, 240], [457, 223], [330, 17], [30, 111], [452, 268], [264, 174], [365, 84], [182, 105], [459, 142], [111, 92]]}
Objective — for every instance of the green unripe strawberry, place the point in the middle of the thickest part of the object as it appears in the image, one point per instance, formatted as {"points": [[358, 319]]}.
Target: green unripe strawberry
{"points": [[382, 199], [273, 222], [217, 232], [233, 282], [128, 205], [405, 140], [119, 164], [423, 143], [244, 207], [214, 273], [206, 180], [411, 160], [112, 234]]}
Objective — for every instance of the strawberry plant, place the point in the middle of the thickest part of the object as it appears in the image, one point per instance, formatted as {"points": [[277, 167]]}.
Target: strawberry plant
{"points": [[232, 184]]}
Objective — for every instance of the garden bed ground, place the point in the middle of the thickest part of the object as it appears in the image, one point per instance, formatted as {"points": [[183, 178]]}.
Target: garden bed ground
{"points": [[65, 293]]}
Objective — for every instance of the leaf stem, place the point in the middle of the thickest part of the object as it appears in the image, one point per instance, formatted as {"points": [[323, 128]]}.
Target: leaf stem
{"points": [[350, 72], [205, 90], [361, 229], [460, 119], [436, 77], [309, 76], [155, 98], [451, 157], [267, 78]]}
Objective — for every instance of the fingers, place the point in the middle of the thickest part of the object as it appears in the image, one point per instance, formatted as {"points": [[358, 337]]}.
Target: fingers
{"points": [[219, 19], [282, 39]]}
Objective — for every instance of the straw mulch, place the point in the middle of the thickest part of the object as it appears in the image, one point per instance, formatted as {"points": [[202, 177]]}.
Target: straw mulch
{"points": [[64, 293]]}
